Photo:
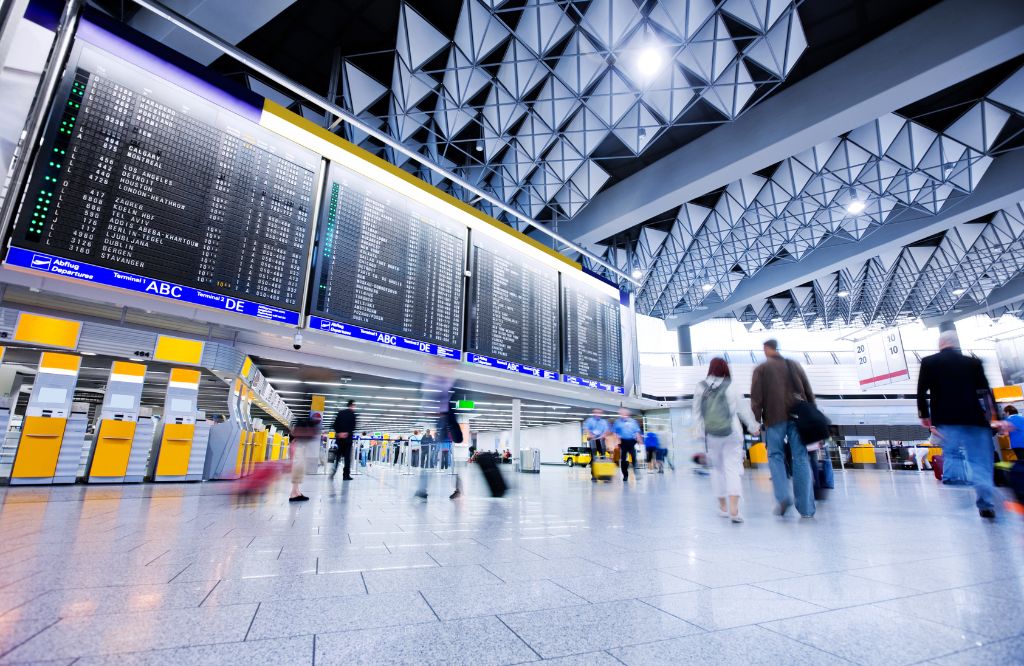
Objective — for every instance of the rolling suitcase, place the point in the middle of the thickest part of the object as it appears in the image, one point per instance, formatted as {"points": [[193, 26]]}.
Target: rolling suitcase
{"points": [[937, 465], [489, 467], [603, 468]]}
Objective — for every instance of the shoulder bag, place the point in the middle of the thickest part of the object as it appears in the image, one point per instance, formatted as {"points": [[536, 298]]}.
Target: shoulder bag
{"points": [[811, 424]]}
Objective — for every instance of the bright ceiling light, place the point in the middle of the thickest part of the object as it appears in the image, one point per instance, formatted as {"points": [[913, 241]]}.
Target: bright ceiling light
{"points": [[959, 291], [856, 207], [637, 273], [649, 62], [708, 287], [842, 294]]}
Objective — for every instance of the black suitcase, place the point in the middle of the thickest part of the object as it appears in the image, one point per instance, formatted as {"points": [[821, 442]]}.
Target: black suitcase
{"points": [[489, 467]]}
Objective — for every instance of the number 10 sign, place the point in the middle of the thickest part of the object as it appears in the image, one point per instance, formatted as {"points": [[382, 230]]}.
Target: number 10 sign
{"points": [[881, 360]]}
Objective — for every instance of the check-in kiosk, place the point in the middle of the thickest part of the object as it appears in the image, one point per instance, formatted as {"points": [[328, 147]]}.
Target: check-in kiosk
{"points": [[248, 433], [224, 458], [183, 432], [52, 434], [259, 442], [120, 450], [275, 443]]}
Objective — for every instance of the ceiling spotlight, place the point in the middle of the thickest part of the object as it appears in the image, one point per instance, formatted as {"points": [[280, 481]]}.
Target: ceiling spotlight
{"points": [[637, 273], [959, 291], [842, 294], [708, 287], [649, 62], [479, 146], [856, 207]]}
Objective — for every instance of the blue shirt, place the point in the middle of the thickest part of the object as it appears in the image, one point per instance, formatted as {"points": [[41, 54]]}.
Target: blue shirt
{"points": [[626, 427], [1017, 434], [651, 441], [595, 427]]}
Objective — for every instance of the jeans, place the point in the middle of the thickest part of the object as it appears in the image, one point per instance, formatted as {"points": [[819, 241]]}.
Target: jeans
{"points": [[627, 448], [444, 455], [803, 486], [976, 441]]}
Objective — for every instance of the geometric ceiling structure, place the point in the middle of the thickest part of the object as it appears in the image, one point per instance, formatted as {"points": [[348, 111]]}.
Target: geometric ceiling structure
{"points": [[893, 169], [530, 101], [933, 278]]}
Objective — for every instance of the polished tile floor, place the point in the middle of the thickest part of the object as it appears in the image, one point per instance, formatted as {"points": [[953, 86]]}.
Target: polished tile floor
{"points": [[895, 569]]}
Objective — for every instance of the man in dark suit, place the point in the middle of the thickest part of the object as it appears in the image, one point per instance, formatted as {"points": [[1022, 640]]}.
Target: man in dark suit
{"points": [[954, 400], [344, 427]]}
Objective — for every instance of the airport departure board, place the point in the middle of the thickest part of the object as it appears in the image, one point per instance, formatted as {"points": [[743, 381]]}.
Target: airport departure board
{"points": [[139, 175], [592, 333], [387, 263], [513, 308]]}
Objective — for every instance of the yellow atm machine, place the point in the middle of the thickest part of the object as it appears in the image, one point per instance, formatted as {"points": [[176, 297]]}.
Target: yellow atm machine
{"points": [[121, 447], [275, 443], [248, 430], [259, 442], [183, 432], [52, 434]]}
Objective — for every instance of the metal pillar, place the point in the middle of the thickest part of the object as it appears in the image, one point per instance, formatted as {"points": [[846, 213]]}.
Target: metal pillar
{"points": [[685, 345], [516, 408]]}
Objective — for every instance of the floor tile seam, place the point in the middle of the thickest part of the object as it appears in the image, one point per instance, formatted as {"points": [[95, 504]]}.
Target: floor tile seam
{"points": [[521, 640], [704, 585], [948, 625], [944, 589], [552, 580], [33, 636], [27, 601], [804, 643], [252, 621], [427, 602], [915, 592], [215, 586], [670, 614]]}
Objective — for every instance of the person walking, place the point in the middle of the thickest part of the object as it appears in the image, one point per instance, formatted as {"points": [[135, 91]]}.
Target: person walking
{"points": [[1016, 423], [776, 386], [415, 442], [628, 430], [718, 409], [437, 389], [954, 398], [304, 442], [344, 428], [596, 428]]}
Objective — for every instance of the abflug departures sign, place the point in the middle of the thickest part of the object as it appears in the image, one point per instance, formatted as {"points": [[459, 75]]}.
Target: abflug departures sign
{"points": [[143, 185]]}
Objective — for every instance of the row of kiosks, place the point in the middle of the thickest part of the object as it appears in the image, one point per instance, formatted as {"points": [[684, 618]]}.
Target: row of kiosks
{"points": [[227, 440], [124, 437], [53, 430]]}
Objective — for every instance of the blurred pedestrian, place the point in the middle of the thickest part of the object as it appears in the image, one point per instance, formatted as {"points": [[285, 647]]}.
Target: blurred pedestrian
{"points": [[344, 429], [437, 389], [718, 408], [596, 430], [304, 442], [627, 430], [953, 396], [777, 385], [1016, 425]]}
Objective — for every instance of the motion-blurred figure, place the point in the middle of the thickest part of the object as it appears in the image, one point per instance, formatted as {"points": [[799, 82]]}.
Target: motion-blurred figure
{"points": [[305, 443], [436, 391], [718, 408], [954, 397], [344, 429], [596, 428], [628, 430]]}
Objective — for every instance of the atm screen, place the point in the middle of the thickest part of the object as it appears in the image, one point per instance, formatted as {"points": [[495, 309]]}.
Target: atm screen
{"points": [[181, 405], [122, 401], [52, 396]]}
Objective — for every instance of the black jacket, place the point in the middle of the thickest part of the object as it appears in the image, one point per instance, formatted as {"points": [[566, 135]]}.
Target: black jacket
{"points": [[956, 388], [345, 421]]}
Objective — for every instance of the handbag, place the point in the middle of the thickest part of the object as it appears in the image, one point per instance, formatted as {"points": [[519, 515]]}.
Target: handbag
{"points": [[811, 424]]}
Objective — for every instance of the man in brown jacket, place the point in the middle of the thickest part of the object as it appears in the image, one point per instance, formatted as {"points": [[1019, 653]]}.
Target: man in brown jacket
{"points": [[775, 386]]}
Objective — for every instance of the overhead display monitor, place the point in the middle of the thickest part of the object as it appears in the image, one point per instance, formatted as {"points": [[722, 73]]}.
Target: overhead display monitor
{"points": [[153, 180], [591, 333], [513, 310], [388, 269]]}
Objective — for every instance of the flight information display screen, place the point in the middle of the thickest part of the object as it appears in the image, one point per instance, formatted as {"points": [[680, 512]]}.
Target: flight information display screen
{"points": [[591, 332], [513, 310], [388, 263], [170, 192]]}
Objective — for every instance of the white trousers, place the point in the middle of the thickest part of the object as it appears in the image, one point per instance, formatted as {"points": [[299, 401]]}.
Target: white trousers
{"points": [[726, 457]]}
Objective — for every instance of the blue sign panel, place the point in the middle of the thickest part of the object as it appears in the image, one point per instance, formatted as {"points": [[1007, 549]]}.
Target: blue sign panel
{"points": [[389, 339], [501, 364], [590, 383], [79, 270]]}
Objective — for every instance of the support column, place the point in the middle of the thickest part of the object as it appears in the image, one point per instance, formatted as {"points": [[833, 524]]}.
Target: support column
{"points": [[516, 405], [685, 345]]}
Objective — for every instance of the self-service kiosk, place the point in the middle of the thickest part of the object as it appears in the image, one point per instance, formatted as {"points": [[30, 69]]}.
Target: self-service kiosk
{"points": [[123, 438], [52, 433], [223, 460], [259, 442], [245, 444], [183, 432]]}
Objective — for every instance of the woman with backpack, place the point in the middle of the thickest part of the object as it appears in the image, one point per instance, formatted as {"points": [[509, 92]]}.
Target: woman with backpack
{"points": [[718, 408]]}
